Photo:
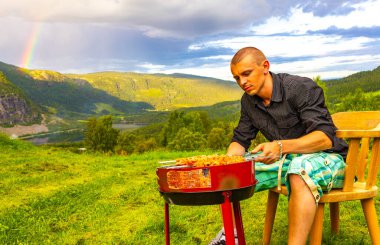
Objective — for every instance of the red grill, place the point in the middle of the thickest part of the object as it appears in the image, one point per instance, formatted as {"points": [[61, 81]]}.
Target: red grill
{"points": [[223, 184], [185, 185]]}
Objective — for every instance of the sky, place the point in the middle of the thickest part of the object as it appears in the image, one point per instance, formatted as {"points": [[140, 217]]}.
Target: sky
{"points": [[330, 39]]}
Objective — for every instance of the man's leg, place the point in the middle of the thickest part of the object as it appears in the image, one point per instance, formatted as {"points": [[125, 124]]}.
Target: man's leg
{"points": [[302, 208]]}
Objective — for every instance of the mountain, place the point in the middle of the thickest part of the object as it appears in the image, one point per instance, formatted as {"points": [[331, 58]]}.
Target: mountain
{"points": [[163, 92], [78, 96], [368, 81]]}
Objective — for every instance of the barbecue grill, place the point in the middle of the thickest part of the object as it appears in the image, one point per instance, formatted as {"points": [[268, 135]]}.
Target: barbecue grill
{"points": [[221, 184]]}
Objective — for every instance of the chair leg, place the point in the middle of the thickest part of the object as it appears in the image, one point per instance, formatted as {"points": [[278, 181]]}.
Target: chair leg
{"points": [[334, 217], [369, 210], [270, 215], [316, 229]]}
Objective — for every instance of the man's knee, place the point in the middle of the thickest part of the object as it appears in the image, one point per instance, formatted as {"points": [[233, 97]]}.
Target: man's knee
{"points": [[297, 184]]}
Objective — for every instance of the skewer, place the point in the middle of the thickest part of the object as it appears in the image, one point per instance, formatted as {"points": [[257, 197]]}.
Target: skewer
{"points": [[166, 162]]}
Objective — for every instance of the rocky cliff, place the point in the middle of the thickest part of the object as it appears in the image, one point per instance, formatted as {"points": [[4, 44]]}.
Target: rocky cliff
{"points": [[15, 108]]}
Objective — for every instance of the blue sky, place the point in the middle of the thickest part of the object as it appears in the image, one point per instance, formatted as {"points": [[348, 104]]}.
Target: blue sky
{"points": [[305, 37]]}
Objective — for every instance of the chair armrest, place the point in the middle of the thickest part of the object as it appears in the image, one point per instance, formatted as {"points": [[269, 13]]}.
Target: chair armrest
{"points": [[358, 133]]}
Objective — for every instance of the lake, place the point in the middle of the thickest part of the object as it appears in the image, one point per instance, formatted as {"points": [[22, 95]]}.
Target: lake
{"points": [[75, 135]]}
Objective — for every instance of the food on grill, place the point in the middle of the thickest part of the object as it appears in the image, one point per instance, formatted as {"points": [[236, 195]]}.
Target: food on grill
{"points": [[210, 160], [197, 178]]}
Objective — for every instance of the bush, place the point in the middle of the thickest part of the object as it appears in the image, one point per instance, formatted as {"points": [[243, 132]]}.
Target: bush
{"points": [[99, 134], [125, 143], [146, 145], [185, 140], [217, 139], [13, 144]]}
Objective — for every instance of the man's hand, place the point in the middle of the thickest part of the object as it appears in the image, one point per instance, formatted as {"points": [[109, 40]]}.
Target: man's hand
{"points": [[270, 152]]}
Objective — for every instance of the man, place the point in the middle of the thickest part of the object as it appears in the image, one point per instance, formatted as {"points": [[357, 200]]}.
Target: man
{"points": [[290, 112]]}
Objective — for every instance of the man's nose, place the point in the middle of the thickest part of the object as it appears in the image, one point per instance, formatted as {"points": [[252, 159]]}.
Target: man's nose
{"points": [[243, 81]]}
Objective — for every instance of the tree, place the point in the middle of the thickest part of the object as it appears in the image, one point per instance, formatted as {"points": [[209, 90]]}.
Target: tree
{"points": [[169, 131], [125, 143], [195, 122], [323, 86], [358, 101], [217, 139], [99, 134], [185, 140]]}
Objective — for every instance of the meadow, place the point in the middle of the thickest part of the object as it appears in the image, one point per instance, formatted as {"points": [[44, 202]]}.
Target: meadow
{"points": [[55, 196]]}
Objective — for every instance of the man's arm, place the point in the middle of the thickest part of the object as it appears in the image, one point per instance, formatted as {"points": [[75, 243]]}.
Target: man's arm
{"points": [[235, 149], [309, 143]]}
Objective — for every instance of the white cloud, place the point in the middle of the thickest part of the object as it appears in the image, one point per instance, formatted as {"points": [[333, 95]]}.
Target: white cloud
{"points": [[326, 67], [365, 15], [152, 67], [290, 46]]}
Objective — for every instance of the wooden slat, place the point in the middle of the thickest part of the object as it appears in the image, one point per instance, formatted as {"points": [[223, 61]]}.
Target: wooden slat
{"points": [[358, 133], [362, 160], [356, 120], [374, 164], [351, 161]]}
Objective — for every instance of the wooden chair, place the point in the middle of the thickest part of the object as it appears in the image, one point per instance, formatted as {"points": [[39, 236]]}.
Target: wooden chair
{"points": [[360, 128]]}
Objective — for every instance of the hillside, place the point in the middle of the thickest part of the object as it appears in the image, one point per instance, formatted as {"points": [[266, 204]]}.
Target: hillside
{"points": [[368, 81], [118, 93], [163, 92]]}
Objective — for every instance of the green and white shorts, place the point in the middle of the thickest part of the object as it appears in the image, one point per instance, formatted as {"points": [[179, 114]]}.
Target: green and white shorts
{"points": [[321, 171]]}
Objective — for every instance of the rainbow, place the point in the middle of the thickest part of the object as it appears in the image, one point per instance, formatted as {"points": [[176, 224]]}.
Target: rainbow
{"points": [[30, 46]]}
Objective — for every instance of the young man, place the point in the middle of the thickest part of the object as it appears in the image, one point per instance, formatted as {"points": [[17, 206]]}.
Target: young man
{"points": [[290, 112]]}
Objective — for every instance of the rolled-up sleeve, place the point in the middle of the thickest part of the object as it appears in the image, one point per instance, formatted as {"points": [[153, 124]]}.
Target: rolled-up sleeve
{"points": [[313, 111], [245, 132]]}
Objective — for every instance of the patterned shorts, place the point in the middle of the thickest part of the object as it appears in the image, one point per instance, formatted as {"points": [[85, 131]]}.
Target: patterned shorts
{"points": [[321, 171]]}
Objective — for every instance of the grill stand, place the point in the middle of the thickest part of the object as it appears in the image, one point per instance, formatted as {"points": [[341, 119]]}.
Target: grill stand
{"points": [[228, 222]]}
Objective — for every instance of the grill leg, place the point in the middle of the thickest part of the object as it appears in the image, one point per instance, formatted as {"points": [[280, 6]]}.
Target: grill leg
{"points": [[239, 223], [228, 219], [167, 232]]}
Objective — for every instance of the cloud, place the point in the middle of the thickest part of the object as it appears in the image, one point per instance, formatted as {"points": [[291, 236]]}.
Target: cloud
{"points": [[371, 32], [328, 8], [155, 18], [197, 37], [164, 19], [301, 21]]}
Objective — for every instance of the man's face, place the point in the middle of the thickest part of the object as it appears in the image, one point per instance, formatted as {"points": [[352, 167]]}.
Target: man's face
{"points": [[249, 75]]}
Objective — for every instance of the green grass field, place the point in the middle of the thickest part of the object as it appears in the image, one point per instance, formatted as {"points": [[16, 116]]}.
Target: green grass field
{"points": [[54, 196]]}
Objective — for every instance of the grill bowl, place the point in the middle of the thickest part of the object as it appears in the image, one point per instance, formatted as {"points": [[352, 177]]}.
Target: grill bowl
{"points": [[186, 185]]}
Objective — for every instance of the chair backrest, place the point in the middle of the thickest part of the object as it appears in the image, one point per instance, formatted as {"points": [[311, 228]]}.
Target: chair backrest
{"points": [[362, 130]]}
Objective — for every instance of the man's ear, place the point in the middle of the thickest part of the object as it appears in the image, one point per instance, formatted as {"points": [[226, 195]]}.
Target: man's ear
{"points": [[266, 66]]}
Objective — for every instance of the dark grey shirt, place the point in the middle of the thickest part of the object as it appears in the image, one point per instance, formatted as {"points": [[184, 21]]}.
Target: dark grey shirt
{"points": [[297, 108]]}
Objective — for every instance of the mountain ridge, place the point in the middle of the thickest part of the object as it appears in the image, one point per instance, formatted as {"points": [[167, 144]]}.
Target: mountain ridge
{"points": [[79, 96]]}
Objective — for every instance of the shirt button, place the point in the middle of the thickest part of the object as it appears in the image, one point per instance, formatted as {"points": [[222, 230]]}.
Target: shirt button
{"points": [[317, 198], [330, 185], [303, 172]]}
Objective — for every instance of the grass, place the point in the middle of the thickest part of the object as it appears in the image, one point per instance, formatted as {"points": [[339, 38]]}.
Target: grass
{"points": [[54, 196]]}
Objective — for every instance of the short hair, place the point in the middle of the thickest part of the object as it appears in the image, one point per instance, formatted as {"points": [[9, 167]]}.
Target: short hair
{"points": [[255, 52]]}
